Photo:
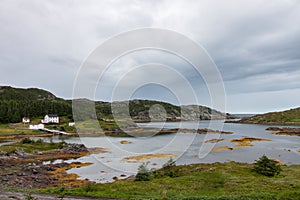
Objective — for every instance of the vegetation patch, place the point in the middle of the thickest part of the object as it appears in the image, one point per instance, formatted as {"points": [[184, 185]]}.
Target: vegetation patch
{"points": [[69, 180], [31, 146], [224, 148], [125, 142], [287, 117], [147, 157], [246, 141]]}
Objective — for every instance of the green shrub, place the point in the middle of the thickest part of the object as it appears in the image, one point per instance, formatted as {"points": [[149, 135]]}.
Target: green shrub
{"points": [[266, 167], [39, 141], [27, 141], [143, 173], [169, 169]]}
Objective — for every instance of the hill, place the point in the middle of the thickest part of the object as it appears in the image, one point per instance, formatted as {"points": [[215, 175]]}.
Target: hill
{"points": [[16, 103], [10, 93], [288, 117]]}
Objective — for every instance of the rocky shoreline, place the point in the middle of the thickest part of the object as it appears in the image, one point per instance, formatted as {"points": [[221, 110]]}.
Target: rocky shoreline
{"points": [[284, 131], [145, 132], [26, 170], [263, 123]]}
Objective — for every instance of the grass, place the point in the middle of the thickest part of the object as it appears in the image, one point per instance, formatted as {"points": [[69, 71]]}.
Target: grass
{"points": [[94, 125], [16, 128], [202, 181], [31, 147]]}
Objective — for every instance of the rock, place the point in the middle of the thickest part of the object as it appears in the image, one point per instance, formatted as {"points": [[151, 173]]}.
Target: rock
{"points": [[21, 174], [3, 153], [75, 148], [20, 152], [273, 129]]}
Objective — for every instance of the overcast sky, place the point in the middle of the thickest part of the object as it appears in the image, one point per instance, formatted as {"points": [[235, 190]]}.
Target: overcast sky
{"points": [[255, 44]]}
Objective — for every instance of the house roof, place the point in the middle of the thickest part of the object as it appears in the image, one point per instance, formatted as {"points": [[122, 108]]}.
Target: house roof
{"points": [[52, 115], [25, 118]]}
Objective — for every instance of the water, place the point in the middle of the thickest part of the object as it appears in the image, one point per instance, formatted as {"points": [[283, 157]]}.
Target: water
{"points": [[186, 148], [5, 143]]}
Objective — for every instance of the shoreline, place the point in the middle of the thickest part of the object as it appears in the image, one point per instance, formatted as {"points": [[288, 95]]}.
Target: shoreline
{"points": [[284, 131], [265, 123], [30, 169]]}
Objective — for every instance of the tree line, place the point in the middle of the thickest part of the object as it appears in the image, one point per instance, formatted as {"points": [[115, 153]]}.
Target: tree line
{"points": [[12, 111]]}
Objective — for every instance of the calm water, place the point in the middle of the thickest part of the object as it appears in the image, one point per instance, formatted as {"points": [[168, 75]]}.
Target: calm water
{"points": [[187, 148]]}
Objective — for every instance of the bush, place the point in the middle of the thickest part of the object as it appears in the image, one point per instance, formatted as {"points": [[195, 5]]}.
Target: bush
{"points": [[168, 169], [27, 141], [39, 141], [266, 167], [143, 173]]}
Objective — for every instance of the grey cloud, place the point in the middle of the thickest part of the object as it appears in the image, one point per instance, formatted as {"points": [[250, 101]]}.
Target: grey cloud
{"points": [[255, 44]]}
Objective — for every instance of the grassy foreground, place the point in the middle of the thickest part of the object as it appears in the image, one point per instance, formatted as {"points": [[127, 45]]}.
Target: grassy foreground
{"points": [[200, 181]]}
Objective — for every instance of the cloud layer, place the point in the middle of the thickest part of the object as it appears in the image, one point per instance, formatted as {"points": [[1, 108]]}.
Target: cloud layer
{"points": [[255, 44]]}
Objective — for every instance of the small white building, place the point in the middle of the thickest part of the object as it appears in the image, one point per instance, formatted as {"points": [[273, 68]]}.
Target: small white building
{"points": [[50, 118], [71, 123], [36, 126], [26, 120]]}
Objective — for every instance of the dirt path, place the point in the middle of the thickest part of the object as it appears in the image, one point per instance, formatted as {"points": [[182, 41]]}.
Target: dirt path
{"points": [[21, 196]]}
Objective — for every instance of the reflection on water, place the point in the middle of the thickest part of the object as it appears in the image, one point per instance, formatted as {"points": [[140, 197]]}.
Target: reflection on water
{"points": [[110, 164]]}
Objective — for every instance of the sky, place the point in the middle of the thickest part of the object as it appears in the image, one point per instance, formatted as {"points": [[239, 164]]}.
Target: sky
{"points": [[255, 45]]}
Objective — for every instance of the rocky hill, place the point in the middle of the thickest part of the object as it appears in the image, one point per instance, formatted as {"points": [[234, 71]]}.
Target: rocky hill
{"points": [[16, 103], [146, 110], [288, 117]]}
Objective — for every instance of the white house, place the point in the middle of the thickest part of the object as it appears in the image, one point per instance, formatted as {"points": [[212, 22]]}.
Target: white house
{"points": [[50, 118], [36, 126], [25, 120], [71, 123]]}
